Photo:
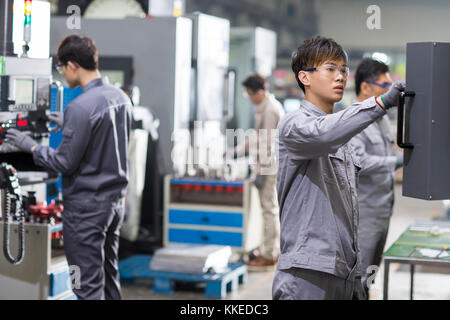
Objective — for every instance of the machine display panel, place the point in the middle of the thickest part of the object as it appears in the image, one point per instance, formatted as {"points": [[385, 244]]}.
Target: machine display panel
{"points": [[24, 91]]}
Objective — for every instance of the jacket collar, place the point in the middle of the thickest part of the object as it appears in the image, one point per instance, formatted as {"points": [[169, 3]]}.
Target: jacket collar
{"points": [[93, 83], [312, 108]]}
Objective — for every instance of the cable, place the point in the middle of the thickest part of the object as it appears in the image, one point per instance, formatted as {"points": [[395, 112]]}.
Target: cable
{"points": [[12, 194], [6, 230]]}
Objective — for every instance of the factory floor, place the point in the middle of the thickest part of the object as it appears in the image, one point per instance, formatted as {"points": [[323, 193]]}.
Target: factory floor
{"points": [[429, 283]]}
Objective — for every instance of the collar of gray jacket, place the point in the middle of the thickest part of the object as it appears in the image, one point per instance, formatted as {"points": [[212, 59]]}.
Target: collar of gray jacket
{"points": [[312, 108], [93, 83]]}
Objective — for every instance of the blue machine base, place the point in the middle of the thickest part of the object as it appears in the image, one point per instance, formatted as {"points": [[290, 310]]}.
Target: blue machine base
{"points": [[217, 284]]}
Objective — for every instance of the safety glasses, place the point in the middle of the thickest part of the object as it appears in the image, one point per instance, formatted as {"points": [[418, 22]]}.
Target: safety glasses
{"points": [[59, 67], [331, 70], [383, 85]]}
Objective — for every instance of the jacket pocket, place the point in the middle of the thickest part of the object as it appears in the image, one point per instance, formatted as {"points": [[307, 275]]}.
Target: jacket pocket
{"points": [[335, 172], [356, 163]]}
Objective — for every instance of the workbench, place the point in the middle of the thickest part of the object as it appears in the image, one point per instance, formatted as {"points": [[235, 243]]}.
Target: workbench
{"points": [[412, 246]]}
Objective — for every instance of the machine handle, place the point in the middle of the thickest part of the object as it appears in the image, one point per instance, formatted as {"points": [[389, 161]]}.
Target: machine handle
{"points": [[60, 96], [401, 109], [230, 89], [59, 104]]}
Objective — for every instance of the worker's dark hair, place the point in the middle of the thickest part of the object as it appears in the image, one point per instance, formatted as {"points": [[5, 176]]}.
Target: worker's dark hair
{"points": [[255, 82], [80, 50], [368, 70], [314, 52]]}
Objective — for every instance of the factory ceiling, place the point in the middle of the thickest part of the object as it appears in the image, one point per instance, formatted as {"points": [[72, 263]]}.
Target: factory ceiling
{"points": [[293, 20]]}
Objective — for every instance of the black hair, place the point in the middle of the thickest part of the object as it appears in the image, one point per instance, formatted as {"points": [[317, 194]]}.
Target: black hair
{"points": [[255, 82], [313, 52], [80, 50], [368, 70]]}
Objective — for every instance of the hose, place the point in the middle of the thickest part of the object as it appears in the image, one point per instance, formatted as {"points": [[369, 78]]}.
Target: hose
{"points": [[6, 228]]}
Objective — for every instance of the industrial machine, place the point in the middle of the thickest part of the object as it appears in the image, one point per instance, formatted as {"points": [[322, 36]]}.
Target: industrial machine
{"points": [[252, 50], [210, 60], [33, 265], [212, 92], [25, 86], [423, 118]]}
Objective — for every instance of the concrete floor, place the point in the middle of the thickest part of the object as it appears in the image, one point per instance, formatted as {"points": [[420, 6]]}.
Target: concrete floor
{"points": [[429, 283]]}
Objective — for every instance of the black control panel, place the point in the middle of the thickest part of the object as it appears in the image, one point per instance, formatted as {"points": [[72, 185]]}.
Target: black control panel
{"points": [[35, 123]]}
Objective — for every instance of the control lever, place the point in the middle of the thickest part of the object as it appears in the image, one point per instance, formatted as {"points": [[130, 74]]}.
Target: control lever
{"points": [[35, 123]]}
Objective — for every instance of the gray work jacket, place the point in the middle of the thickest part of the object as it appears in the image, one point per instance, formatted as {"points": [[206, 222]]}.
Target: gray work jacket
{"points": [[376, 151], [316, 187], [92, 155]]}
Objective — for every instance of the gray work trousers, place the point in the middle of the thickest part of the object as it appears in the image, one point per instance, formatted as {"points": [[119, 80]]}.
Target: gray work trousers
{"points": [[91, 243], [373, 230], [306, 284]]}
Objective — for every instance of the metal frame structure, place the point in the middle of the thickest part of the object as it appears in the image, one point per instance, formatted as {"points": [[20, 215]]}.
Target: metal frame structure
{"points": [[412, 262]]}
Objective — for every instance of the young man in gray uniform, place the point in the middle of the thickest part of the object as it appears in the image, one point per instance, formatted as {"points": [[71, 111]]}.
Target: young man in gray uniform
{"points": [[375, 149], [317, 178], [92, 158]]}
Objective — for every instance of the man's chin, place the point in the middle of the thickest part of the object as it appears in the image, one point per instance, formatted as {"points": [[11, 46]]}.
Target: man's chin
{"points": [[337, 97]]}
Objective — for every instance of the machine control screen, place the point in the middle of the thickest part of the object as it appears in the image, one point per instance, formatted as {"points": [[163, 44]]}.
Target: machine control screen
{"points": [[24, 91]]}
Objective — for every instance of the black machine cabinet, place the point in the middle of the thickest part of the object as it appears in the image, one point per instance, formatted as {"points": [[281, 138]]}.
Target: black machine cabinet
{"points": [[424, 121]]}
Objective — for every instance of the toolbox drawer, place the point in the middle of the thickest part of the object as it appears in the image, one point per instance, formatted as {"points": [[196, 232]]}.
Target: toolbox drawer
{"points": [[207, 218], [233, 239]]}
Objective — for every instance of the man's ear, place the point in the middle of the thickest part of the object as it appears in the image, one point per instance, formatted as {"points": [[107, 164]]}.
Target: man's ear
{"points": [[72, 66], [365, 88], [304, 77]]}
